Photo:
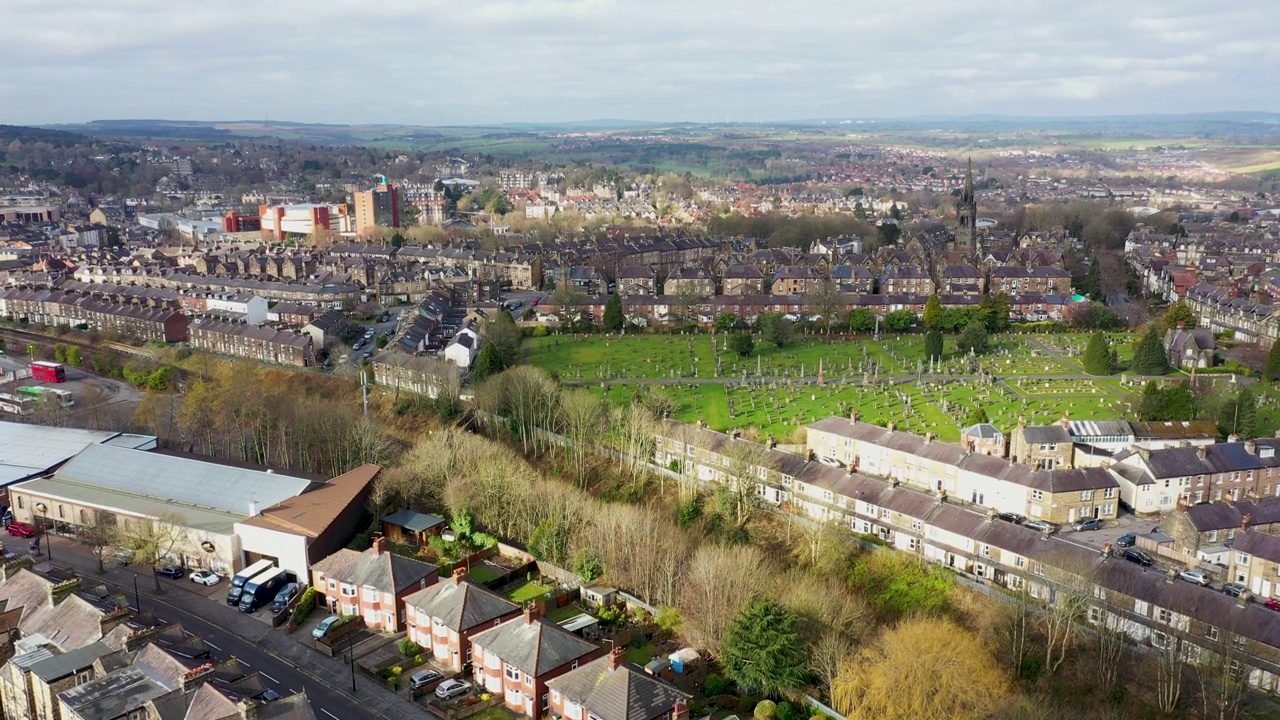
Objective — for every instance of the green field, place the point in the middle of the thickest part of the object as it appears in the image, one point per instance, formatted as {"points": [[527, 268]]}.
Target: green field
{"points": [[776, 391]]}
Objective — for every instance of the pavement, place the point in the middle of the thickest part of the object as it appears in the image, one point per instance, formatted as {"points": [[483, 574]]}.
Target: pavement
{"points": [[286, 662]]}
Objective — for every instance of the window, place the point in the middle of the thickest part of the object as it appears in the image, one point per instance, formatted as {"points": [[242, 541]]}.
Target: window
{"points": [[544, 701], [348, 590], [884, 513], [1164, 616], [1159, 640], [1086, 495], [976, 498], [20, 503], [62, 513], [1140, 607], [985, 551], [1211, 632], [1099, 592], [1037, 495], [1242, 558], [1095, 615], [916, 525], [512, 672], [1019, 561]]}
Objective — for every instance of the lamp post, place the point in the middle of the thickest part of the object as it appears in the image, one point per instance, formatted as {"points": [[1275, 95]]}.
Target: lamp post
{"points": [[43, 509], [137, 601]]}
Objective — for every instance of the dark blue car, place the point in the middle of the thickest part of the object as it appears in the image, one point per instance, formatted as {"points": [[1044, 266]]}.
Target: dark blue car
{"points": [[172, 571]]}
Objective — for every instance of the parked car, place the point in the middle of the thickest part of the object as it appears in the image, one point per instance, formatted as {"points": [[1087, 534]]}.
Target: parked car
{"points": [[283, 597], [1232, 589], [122, 556], [1126, 540], [1272, 604], [424, 678], [1041, 526], [21, 529], [269, 695], [172, 572], [325, 626], [452, 689], [205, 577], [1195, 576], [1014, 518], [1137, 556], [1086, 524]]}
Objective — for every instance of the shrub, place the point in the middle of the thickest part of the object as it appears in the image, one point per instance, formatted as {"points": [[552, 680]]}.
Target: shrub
{"points": [[725, 702], [717, 685], [408, 648], [786, 711], [669, 621], [418, 660], [745, 704], [766, 710], [612, 615], [306, 604]]}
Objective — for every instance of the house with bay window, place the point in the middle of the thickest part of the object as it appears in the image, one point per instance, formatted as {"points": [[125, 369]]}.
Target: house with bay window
{"points": [[610, 688], [518, 657], [444, 616], [372, 584]]}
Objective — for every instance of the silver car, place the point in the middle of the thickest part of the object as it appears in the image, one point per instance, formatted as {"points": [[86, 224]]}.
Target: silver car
{"points": [[1195, 576], [452, 689]]}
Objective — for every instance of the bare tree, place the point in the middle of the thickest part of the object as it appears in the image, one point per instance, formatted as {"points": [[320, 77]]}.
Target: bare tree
{"points": [[635, 427], [581, 421], [745, 461], [98, 534], [1222, 677], [1063, 614], [720, 582], [825, 300], [1169, 669], [1014, 626], [153, 541], [826, 656]]}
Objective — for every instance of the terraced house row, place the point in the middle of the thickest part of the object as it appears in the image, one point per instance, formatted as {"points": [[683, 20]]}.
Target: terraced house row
{"points": [[890, 492]]}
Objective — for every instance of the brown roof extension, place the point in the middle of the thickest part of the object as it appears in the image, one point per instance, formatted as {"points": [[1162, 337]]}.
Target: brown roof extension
{"points": [[312, 512]]}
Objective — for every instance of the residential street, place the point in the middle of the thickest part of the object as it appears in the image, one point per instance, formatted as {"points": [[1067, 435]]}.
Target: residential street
{"points": [[286, 663]]}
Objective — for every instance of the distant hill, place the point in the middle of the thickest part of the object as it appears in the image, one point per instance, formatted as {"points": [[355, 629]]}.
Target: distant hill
{"points": [[57, 138]]}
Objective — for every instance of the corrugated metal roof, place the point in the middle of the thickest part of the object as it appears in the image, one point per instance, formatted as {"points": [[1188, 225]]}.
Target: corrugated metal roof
{"points": [[181, 480], [27, 450]]}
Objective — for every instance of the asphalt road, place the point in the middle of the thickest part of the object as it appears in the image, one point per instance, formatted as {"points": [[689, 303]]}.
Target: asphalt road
{"points": [[280, 675]]}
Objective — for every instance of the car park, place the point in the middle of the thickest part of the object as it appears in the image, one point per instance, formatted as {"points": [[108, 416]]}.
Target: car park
{"points": [[21, 529], [1137, 556], [423, 678], [205, 577], [1127, 540], [325, 626], [1084, 524], [1232, 589], [452, 689], [1195, 576], [172, 572]]}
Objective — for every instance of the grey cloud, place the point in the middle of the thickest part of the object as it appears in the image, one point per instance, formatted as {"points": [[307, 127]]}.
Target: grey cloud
{"points": [[436, 62]]}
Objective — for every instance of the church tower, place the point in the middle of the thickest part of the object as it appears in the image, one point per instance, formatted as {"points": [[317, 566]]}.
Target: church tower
{"points": [[967, 215]]}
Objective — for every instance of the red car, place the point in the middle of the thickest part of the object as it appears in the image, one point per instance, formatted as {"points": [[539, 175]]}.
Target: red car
{"points": [[1273, 603], [21, 529]]}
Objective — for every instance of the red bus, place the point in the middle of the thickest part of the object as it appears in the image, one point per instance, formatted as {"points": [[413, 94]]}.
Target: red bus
{"points": [[48, 371]]}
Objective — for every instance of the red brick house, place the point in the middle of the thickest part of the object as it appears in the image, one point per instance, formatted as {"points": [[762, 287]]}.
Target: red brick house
{"points": [[372, 584], [444, 616], [610, 688], [518, 657]]}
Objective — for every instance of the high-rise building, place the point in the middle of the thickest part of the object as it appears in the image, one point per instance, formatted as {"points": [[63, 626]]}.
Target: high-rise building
{"points": [[377, 208]]}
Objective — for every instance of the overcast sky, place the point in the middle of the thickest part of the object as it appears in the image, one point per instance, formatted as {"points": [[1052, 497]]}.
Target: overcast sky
{"points": [[489, 61]]}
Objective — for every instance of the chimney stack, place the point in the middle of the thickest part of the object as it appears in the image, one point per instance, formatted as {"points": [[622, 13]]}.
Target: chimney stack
{"points": [[1065, 422], [1245, 522], [616, 657], [1022, 422], [459, 574], [1202, 452], [773, 442], [1251, 447], [1245, 598], [892, 426], [379, 545], [1171, 576], [853, 417], [928, 438], [1233, 438], [530, 613], [680, 711], [248, 710]]}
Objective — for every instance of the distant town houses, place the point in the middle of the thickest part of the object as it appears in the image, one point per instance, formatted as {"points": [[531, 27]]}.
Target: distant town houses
{"points": [[264, 344]]}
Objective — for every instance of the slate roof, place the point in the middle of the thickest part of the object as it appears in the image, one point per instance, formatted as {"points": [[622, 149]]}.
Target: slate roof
{"points": [[60, 666], [413, 520], [623, 693], [461, 605], [982, 431], [1257, 543], [535, 647], [1052, 434], [386, 571]]}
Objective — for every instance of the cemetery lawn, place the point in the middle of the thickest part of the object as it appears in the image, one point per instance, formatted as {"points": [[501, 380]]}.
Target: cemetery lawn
{"points": [[776, 391]]}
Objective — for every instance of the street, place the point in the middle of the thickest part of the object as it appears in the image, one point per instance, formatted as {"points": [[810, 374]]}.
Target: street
{"points": [[284, 663]]}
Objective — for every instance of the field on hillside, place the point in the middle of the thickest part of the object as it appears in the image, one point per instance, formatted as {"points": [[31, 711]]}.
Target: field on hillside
{"points": [[776, 391]]}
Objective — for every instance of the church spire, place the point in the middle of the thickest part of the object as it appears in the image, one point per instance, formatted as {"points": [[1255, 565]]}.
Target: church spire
{"points": [[968, 180]]}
